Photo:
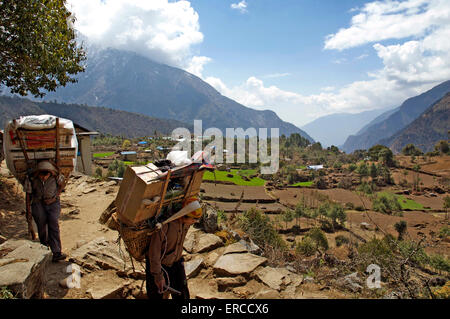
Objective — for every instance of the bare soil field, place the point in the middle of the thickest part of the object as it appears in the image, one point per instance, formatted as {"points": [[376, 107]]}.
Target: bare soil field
{"points": [[425, 180], [234, 192], [314, 197], [228, 207], [439, 165]]}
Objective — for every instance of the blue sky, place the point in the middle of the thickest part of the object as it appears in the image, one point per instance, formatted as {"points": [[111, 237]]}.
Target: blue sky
{"points": [[283, 38], [302, 59]]}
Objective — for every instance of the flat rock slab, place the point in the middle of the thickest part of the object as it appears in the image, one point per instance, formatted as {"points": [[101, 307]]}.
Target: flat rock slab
{"points": [[272, 277], [198, 242], [99, 254], [238, 264], [106, 287], [192, 267], [22, 267], [207, 242], [191, 239], [89, 190], [225, 282], [238, 247]]}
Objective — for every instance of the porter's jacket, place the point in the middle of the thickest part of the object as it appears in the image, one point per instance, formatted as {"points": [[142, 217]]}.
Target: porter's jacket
{"points": [[166, 246]]}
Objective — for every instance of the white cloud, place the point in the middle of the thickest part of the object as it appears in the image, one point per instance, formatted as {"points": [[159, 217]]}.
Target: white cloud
{"points": [[196, 65], [382, 20], [241, 6], [161, 30], [301, 109]]}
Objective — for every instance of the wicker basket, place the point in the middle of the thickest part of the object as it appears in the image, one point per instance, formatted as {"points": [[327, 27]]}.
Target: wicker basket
{"points": [[136, 241]]}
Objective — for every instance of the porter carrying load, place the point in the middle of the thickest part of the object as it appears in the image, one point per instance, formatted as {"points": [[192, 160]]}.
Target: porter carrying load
{"points": [[153, 195], [39, 143]]}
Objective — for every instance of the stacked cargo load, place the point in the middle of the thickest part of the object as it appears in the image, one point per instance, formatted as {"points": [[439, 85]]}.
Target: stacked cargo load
{"points": [[152, 195], [30, 139]]}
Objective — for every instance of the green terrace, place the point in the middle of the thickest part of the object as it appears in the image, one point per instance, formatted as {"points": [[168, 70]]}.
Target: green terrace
{"points": [[100, 155], [303, 184], [237, 177], [405, 203]]}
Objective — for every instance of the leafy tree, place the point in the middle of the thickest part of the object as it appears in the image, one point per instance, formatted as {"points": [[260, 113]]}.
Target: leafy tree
{"points": [[126, 144], [386, 204], [446, 205], [121, 169], [442, 147], [337, 215], [381, 153], [410, 150], [333, 149], [373, 172], [288, 216], [38, 46], [316, 146], [300, 211], [362, 170], [400, 227]]}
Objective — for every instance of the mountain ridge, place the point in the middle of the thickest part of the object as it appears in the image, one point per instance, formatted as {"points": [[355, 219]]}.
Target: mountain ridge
{"points": [[101, 119], [425, 131], [408, 111], [128, 81]]}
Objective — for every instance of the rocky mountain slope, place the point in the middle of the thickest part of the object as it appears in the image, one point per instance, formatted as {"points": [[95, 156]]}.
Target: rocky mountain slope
{"points": [[424, 132], [100, 119], [127, 81], [410, 110]]}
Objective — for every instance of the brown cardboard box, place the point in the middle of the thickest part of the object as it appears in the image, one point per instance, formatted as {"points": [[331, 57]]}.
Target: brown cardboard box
{"points": [[138, 183], [141, 183]]}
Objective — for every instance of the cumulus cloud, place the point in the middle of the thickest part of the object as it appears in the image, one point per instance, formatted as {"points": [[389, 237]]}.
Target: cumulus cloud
{"points": [[241, 6], [301, 109], [423, 59], [161, 30], [382, 20]]}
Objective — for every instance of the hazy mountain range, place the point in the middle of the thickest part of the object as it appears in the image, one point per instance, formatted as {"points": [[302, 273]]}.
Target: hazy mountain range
{"points": [[329, 130], [127, 81]]}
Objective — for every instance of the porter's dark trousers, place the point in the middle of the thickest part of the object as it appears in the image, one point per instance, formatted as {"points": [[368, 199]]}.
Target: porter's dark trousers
{"points": [[177, 278], [46, 218]]}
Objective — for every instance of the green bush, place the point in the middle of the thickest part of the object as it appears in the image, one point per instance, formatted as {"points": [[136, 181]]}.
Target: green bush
{"points": [[365, 188], [221, 217], [260, 229], [121, 169], [439, 262], [99, 172], [306, 247], [318, 237], [341, 240], [418, 257], [400, 227], [376, 251], [386, 204], [5, 293], [444, 232]]}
